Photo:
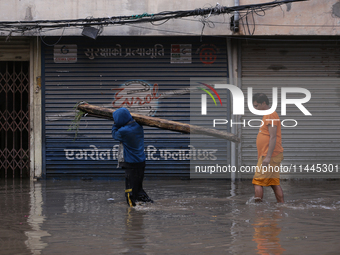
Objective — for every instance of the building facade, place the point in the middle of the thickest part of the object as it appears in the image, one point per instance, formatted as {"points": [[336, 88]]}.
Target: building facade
{"points": [[45, 73]]}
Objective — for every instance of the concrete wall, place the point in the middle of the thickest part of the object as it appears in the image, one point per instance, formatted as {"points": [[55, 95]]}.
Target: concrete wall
{"points": [[313, 17], [15, 10]]}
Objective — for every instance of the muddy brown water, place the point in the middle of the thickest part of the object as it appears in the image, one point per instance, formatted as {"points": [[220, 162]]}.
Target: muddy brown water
{"points": [[188, 217]]}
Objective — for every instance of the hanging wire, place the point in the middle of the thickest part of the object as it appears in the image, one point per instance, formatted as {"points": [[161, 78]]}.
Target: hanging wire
{"points": [[158, 24], [53, 43], [40, 26], [249, 13]]}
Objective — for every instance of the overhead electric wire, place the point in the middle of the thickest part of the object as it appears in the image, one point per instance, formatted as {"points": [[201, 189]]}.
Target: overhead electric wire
{"points": [[39, 25], [257, 38]]}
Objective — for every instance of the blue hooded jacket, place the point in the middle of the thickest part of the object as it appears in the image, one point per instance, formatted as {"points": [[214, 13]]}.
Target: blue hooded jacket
{"points": [[130, 133]]}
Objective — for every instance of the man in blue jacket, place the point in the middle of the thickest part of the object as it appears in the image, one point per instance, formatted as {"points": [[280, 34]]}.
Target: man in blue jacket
{"points": [[131, 156]]}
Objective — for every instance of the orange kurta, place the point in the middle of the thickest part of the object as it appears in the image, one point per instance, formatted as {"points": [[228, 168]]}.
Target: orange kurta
{"points": [[262, 141], [268, 178]]}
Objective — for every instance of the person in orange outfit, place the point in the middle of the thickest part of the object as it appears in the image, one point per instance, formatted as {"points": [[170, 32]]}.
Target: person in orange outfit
{"points": [[270, 151]]}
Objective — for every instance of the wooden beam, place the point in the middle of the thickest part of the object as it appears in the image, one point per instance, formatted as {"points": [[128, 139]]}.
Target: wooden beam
{"points": [[106, 113]]}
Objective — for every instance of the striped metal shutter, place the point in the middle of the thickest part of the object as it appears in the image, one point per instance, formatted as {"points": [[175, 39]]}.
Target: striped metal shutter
{"points": [[313, 65], [15, 49], [126, 65]]}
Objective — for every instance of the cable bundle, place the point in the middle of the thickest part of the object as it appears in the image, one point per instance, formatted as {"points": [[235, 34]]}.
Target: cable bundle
{"points": [[39, 26]]}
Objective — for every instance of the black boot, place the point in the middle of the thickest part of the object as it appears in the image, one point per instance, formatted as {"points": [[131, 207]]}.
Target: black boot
{"points": [[142, 196], [129, 198], [131, 186]]}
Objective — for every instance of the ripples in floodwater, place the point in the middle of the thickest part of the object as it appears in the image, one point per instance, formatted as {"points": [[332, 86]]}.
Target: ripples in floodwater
{"points": [[188, 217]]}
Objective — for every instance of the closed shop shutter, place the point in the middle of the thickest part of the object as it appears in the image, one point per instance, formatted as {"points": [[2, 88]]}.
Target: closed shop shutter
{"points": [[147, 74], [313, 65]]}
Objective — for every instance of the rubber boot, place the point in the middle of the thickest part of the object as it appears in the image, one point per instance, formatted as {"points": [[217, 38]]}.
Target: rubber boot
{"points": [[142, 195], [131, 186]]}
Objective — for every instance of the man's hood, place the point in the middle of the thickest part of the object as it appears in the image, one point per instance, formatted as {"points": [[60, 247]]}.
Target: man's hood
{"points": [[121, 117]]}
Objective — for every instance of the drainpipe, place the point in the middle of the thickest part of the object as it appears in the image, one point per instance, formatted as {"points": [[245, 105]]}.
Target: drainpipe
{"points": [[233, 129], [233, 81], [236, 17], [239, 85]]}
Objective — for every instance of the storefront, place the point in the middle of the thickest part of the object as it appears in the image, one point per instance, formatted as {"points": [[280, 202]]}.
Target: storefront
{"points": [[310, 63], [15, 108], [148, 75]]}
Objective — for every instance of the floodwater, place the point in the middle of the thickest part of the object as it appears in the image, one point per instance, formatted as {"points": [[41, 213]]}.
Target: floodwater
{"points": [[188, 217]]}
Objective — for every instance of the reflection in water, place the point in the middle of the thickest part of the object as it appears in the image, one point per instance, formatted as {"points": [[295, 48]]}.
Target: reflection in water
{"points": [[134, 236], [14, 210], [35, 220], [266, 231], [188, 217]]}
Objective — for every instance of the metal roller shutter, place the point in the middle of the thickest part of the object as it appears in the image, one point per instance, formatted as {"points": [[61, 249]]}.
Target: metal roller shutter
{"points": [[162, 66], [15, 49], [313, 65]]}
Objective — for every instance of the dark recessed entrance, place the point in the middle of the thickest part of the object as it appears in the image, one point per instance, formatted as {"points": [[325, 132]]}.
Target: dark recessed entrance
{"points": [[14, 119]]}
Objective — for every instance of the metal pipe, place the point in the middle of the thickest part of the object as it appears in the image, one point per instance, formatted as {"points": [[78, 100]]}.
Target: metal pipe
{"points": [[233, 129], [239, 84], [236, 17]]}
